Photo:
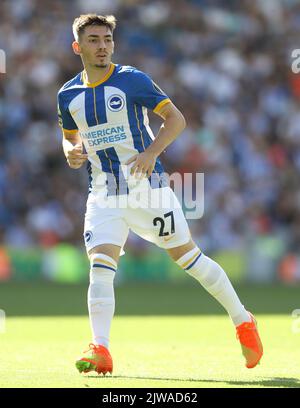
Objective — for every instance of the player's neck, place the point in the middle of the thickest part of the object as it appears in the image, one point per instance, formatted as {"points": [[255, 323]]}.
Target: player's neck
{"points": [[92, 75]]}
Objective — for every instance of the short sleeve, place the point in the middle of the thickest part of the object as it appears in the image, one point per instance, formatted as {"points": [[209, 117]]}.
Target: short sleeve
{"points": [[146, 92], [65, 119]]}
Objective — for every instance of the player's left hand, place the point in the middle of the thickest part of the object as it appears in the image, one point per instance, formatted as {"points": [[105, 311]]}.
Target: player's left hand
{"points": [[143, 164]]}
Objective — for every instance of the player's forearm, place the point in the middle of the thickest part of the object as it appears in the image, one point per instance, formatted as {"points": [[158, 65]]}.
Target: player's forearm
{"points": [[73, 152], [171, 128]]}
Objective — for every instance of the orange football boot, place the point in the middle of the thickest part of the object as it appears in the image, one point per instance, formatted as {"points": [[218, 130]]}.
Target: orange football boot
{"points": [[98, 360], [250, 341]]}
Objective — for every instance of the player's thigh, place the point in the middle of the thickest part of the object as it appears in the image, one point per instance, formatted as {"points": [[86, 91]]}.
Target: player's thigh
{"points": [[105, 230], [162, 221]]}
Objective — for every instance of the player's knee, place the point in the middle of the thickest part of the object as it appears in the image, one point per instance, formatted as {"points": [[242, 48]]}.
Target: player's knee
{"points": [[189, 259], [110, 250], [103, 269], [178, 252], [200, 266]]}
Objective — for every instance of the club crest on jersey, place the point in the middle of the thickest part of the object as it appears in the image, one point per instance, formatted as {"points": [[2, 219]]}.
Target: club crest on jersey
{"points": [[88, 236], [115, 103]]}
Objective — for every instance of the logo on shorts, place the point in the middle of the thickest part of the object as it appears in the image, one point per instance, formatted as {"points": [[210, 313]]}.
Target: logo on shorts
{"points": [[168, 238], [88, 236], [115, 103]]}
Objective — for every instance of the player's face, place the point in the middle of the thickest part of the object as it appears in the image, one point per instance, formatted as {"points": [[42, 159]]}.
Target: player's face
{"points": [[96, 46]]}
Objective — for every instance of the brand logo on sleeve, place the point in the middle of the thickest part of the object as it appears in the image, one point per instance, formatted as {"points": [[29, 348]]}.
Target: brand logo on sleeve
{"points": [[115, 103]]}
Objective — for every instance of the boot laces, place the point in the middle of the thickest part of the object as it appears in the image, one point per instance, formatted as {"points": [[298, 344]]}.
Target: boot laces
{"points": [[92, 347]]}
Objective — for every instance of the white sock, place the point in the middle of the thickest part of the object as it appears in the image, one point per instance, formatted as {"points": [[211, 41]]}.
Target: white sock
{"points": [[213, 278], [101, 299]]}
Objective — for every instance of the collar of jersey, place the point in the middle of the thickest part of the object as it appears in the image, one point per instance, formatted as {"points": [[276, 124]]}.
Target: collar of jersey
{"points": [[93, 84]]}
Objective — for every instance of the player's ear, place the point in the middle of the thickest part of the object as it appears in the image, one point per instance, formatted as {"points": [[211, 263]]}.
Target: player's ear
{"points": [[76, 47]]}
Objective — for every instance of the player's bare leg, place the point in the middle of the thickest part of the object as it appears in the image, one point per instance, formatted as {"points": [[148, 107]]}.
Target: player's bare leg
{"points": [[213, 278], [108, 249], [101, 305]]}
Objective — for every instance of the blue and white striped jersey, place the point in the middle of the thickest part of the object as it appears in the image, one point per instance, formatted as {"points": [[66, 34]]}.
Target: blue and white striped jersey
{"points": [[111, 117]]}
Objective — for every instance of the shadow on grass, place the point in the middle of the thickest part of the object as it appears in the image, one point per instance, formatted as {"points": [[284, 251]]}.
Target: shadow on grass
{"points": [[266, 382]]}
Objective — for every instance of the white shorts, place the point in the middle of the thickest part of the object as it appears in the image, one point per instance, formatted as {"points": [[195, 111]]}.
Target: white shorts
{"points": [[153, 214]]}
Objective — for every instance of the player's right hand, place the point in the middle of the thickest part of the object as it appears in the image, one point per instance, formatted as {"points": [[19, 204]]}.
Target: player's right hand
{"points": [[75, 157]]}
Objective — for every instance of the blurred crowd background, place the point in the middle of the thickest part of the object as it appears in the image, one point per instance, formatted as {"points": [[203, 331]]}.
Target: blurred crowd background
{"points": [[226, 64]]}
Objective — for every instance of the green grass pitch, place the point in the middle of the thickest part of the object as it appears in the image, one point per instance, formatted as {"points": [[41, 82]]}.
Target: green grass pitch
{"points": [[161, 336]]}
